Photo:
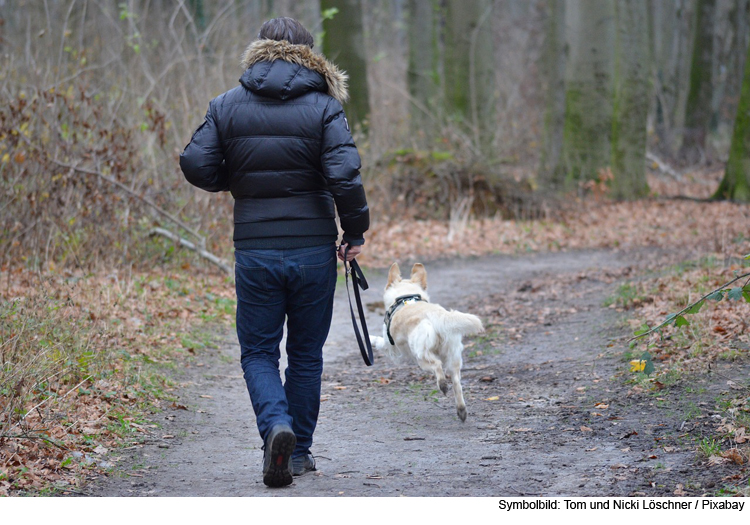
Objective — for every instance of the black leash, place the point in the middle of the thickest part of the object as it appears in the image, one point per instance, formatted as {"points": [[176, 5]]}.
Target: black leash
{"points": [[358, 281]]}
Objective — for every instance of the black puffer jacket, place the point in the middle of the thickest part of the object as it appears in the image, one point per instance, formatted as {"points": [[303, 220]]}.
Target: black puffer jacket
{"points": [[281, 144]]}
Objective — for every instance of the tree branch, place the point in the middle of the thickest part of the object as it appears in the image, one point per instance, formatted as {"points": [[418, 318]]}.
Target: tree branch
{"points": [[130, 192], [189, 245], [672, 318]]}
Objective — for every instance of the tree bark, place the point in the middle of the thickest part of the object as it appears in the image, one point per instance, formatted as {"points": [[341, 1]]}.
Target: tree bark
{"points": [[588, 90], [698, 107], [469, 68], [553, 88], [631, 101], [423, 75], [671, 35], [344, 44], [736, 182]]}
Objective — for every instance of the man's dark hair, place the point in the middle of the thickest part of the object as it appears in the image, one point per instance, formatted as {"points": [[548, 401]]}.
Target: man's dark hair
{"points": [[285, 28]]}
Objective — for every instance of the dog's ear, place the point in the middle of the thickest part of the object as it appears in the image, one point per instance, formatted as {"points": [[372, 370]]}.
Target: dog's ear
{"points": [[394, 275], [419, 276]]}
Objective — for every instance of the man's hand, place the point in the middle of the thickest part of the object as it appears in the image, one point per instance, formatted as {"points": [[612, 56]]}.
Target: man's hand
{"points": [[353, 252]]}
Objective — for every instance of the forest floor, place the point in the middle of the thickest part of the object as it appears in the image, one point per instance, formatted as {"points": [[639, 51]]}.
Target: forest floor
{"points": [[127, 382], [553, 407]]}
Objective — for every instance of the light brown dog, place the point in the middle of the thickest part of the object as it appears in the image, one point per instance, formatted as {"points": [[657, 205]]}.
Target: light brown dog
{"points": [[424, 332]]}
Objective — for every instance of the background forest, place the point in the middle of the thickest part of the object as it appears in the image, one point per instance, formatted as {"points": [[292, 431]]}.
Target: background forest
{"points": [[461, 108], [484, 126]]}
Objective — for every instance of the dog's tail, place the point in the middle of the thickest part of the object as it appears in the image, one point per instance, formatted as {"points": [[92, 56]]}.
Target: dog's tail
{"points": [[465, 324]]}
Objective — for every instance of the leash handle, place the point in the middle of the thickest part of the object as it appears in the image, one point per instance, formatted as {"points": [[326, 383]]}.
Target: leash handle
{"points": [[358, 281]]}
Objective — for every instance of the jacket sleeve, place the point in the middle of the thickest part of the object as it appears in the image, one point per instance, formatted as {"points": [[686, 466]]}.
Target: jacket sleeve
{"points": [[341, 165], [202, 160]]}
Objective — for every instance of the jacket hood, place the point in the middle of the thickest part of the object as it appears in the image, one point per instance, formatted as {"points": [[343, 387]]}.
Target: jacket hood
{"points": [[301, 56]]}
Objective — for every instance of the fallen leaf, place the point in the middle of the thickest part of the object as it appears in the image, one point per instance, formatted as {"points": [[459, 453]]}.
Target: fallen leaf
{"points": [[339, 388], [680, 490], [522, 429], [586, 429], [493, 398], [204, 396], [591, 449], [734, 455], [637, 365]]}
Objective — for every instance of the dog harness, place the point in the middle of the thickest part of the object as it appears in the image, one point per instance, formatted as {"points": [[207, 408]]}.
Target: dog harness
{"points": [[400, 301]]}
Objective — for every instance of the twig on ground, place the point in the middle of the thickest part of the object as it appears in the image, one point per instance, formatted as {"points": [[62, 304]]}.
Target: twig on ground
{"points": [[663, 166], [47, 399], [39, 437], [189, 245]]}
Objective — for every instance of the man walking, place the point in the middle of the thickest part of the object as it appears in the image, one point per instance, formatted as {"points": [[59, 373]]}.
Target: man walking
{"points": [[280, 142]]}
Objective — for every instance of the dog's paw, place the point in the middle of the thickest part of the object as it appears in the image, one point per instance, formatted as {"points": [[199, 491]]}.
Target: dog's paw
{"points": [[443, 384], [461, 411]]}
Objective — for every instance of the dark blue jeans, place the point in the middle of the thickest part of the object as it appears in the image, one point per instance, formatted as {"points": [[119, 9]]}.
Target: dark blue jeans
{"points": [[296, 284]]}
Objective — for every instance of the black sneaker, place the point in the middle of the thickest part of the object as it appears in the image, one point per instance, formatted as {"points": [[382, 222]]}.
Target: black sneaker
{"points": [[277, 460], [302, 464]]}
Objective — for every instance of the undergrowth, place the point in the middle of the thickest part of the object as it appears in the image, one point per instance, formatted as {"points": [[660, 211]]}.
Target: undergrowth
{"points": [[86, 360]]}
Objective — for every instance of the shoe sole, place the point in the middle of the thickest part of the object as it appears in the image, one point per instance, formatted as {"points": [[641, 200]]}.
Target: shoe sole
{"points": [[281, 447]]}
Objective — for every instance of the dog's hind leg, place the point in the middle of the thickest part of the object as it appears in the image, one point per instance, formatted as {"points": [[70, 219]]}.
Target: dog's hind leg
{"points": [[459, 394], [430, 363], [454, 370], [423, 343]]}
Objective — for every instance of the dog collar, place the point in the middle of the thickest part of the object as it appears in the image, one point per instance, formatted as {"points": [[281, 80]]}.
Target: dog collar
{"points": [[398, 303]]}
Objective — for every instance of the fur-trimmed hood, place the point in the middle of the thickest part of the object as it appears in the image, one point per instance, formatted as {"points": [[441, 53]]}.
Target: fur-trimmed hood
{"points": [[301, 55]]}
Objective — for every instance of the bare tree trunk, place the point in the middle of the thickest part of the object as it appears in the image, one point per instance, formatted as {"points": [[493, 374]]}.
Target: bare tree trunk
{"points": [[588, 90], [671, 35], [553, 88], [423, 74], [631, 101], [344, 44], [736, 182], [469, 68], [731, 41], [698, 107]]}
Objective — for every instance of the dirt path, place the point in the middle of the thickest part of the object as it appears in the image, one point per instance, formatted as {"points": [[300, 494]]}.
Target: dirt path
{"points": [[549, 412]]}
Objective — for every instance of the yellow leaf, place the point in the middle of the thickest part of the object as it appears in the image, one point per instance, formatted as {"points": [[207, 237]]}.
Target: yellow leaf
{"points": [[6, 158], [637, 365], [493, 398]]}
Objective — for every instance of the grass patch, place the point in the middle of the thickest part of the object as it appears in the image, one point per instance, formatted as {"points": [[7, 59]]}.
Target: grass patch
{"points": [[86, 360]]}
